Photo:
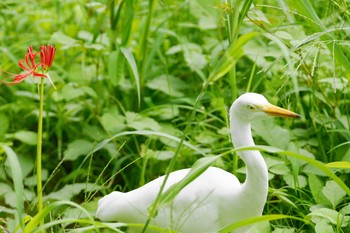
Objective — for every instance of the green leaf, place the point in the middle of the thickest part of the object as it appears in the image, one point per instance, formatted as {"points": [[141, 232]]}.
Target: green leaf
{"points": [[328, 215], [115, 66], [127, 21], [27, 137], [316, 186], [17, 177], [161, 154], [273, 134], [80, 74], [301, 181], [69, 92], [168, 85], [323, 227], [77, 148], [230, 57], [5, 123], [70, 190], [333, 192], [138, 122], [339, 164], [113, 123], [133, 67], [164, 112], [60, 38]]}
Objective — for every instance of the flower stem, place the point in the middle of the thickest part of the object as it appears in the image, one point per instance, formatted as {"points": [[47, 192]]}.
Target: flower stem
{"points": [[39, 149]]}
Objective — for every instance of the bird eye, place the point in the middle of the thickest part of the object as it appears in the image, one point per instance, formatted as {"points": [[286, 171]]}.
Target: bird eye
{"points": [[251, 107]]}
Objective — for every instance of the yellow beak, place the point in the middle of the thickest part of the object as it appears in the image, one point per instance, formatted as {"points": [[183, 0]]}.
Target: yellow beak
{"points": [[280, 112]]}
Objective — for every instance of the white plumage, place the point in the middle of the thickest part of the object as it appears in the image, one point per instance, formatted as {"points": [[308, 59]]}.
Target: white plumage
{"points": [[216, 198]]}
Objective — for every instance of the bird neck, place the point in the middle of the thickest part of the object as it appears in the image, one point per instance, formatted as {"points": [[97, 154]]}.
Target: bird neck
{"points": [[256, 170]]}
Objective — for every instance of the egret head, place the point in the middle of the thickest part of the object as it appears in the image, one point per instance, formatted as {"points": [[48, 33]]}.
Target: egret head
{"points": [[250, 106]]}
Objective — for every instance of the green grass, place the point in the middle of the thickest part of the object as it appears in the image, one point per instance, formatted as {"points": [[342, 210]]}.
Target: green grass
{"points": [[143, 88]]}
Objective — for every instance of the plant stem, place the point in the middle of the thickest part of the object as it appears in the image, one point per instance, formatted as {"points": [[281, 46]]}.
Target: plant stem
{"points": [[39, 148]]}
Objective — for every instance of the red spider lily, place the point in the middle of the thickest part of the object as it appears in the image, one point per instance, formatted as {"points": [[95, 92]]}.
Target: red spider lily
{"points": [[29, 65], [47, 54]]}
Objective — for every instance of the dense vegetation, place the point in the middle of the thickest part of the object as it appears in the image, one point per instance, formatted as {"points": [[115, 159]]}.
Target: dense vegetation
{"points": [[133, 78]]}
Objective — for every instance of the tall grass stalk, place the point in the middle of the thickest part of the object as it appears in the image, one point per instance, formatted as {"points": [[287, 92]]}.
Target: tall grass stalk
{"points": [[39, 149], [143, 48], [234, 19]]}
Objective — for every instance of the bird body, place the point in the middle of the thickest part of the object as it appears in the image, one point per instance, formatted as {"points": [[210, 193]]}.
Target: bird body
{"points": [[207, 200], [214, 199]]}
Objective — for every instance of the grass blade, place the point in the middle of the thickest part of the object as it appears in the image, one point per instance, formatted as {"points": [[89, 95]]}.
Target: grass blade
{"points": [[339, 164], [230, 57], [17, 177], [305, 7], [132, 65], [249, 221], [32, 226], [197, 169]]}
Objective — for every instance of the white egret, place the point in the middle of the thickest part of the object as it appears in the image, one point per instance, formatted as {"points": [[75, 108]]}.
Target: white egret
{"points": [[216, 198]]}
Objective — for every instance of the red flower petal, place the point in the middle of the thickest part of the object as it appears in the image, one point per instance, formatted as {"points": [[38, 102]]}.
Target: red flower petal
{"points": [[47, 55]]}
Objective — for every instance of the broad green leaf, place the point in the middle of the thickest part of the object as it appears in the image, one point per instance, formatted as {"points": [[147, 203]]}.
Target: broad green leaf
{"points": [[138, 122], [206, 14], [323, 227], [194, 56], [89, 91], [301, 181], [280, 168], [164, 112], [4, 188], [69, 191], [113, 123], [273, 134], [333, 192], [168, 85], [70, 92], [27, 137], [316, 186], [77, 148], [17, 178], [80, 74], [283, 230], [329, 215], [161, 154], [31, 180], [60, 38]]}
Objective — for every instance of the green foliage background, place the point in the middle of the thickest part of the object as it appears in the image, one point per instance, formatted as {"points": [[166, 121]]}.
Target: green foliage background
{"points": [[126, 68]]}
